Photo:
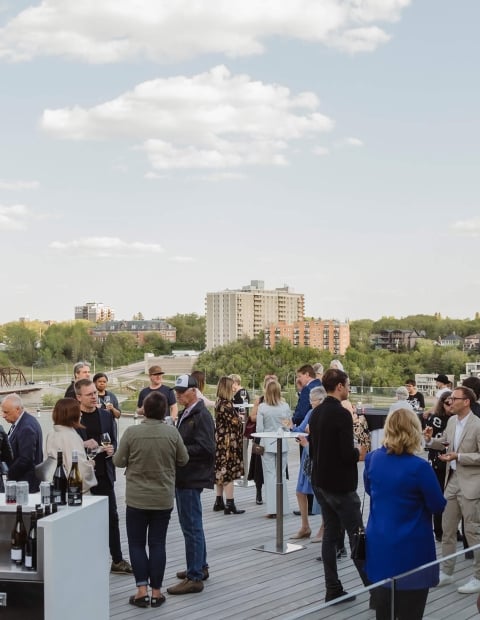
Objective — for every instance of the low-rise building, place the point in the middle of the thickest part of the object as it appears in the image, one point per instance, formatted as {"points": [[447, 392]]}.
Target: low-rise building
{"points": [[94, 312], [138, 328], [397, 339]]}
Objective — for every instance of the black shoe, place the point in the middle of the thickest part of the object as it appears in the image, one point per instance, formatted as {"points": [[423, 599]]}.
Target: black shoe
{"points": [[438, 537], [218, 505], [332, 597], [297, 513], [459, 536], [371, 603], [141, 601], [231, 509], [319, 559], [259, 500], [469, 555], [341, 553]]}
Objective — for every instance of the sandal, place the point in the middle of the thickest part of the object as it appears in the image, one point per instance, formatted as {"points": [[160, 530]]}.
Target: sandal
{"points": [[156, 601], [141, 601]]}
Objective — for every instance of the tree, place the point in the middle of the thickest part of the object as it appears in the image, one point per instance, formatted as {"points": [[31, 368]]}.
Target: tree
{"points": [[190, 330], [21, 343]]}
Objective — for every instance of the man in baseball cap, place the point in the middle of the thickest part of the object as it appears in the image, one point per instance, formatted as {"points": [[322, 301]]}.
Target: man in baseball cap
{"points": [[195, 425], [155, 374]]}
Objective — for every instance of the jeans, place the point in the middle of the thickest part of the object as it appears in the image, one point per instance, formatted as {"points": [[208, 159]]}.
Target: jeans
{"points": [[147, 568], [189, 509], [113, 527], [338, 510]]}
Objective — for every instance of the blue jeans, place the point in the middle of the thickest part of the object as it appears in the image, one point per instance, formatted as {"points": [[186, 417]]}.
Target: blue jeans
{"points": [[189, 509], [147, 568], [338, 510]]}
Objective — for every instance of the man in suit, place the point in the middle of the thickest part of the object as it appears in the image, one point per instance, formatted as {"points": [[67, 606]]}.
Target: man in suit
{"points": [[462, 482], [96, 422], [335, 475], [25, 436]]}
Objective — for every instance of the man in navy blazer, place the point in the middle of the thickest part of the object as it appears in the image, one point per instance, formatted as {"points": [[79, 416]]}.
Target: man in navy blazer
{"points": [[95, 422], [25, 436]]}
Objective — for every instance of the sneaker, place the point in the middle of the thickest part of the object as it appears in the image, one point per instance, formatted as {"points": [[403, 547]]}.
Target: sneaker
{"points": [[183, 574], [444, 579], [187, 586], [121, 568], [470, 587]]}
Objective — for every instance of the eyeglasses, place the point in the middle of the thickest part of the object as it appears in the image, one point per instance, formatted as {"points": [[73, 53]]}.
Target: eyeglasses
{"points": [[450, 400]]}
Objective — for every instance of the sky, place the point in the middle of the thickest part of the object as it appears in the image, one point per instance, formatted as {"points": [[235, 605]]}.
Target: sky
{"points": [[153, 151]]}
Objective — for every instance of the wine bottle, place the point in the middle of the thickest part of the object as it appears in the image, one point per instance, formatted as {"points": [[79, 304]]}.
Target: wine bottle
{"points": [[60, 482], [19, 538], [75, 483], [31, 546]]}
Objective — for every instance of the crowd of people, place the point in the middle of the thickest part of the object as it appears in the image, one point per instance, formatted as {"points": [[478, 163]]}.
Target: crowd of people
{"points": [[172, 456]]}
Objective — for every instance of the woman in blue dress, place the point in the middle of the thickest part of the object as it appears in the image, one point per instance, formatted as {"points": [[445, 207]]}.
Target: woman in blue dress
{"points": [[404, 494], [304, 485]]}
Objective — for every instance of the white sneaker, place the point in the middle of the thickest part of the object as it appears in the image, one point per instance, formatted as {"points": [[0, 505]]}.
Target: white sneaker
{"points": [[470, 587], [444, 579]]}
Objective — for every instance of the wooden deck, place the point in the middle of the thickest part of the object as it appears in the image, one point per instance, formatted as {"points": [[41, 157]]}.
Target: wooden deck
{"points": [[247, 584]]}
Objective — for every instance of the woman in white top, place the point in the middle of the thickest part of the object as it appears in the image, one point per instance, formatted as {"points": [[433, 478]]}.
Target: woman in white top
{"points": [[64, 437], [273, 413]]}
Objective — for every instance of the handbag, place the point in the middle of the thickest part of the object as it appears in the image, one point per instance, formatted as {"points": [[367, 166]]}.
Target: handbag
{"points": [[358, 545], [250, 428], [258, 449]]}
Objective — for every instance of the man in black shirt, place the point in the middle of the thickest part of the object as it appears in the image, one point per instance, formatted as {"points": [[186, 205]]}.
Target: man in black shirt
{"points": [[415, 398], [335, 475], [95, 422]]}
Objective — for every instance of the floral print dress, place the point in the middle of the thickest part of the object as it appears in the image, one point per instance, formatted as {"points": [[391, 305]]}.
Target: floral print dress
{"points": [[229, 440]]}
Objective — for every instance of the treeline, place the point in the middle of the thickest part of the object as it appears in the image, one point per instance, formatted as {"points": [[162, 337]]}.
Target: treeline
{"points": [[33, 344]]}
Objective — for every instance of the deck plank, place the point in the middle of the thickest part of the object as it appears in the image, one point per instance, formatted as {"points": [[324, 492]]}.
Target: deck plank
{"points": [[245, 583]]}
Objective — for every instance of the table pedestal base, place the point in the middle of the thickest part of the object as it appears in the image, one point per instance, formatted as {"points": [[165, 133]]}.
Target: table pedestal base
{"points": [[243, 482], [283, 549]]}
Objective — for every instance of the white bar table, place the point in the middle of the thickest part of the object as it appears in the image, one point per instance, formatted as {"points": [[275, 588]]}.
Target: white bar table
{"points": [[279, 546], [244, 481]]}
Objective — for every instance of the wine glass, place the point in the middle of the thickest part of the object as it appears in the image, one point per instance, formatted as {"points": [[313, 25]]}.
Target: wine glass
{"points": [[105, 440], [91, 453]]}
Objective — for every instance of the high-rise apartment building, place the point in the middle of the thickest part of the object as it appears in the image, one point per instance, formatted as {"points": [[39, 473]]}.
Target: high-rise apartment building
{"points": [[94, 312], [230, 315], [332, 336]]}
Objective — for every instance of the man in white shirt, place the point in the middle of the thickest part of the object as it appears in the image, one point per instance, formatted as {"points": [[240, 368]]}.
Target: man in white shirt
{"points": [[462, 482]]}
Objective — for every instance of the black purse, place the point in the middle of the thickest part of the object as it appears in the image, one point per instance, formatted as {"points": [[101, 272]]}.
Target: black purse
{"points": [[359, 541]]}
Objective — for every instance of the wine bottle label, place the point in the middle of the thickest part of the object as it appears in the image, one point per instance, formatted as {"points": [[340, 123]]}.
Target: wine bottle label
{"points": [[16, 555], [28, 561], [74, 496]]}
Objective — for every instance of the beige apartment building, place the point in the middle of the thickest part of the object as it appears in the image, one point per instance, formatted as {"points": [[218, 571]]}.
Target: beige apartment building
{"points": [[232, 314], [329, 335]]}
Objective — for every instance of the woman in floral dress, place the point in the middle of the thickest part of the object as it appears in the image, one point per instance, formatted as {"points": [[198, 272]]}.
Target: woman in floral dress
{"points": [[229, 451]]}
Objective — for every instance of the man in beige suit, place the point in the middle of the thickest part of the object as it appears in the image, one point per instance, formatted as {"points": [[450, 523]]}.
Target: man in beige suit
{"points": [[462, 482]]}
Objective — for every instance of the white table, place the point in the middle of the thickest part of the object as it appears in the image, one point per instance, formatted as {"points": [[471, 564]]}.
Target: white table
{"points": [[279, 546], [244, 481]]}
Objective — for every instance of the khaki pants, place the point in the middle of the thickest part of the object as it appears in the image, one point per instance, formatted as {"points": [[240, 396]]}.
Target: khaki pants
{"points": [[457, 507]]}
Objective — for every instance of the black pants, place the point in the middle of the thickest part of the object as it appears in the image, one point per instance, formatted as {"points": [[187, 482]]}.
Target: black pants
{"points": [[409, 604], [113, 527]]}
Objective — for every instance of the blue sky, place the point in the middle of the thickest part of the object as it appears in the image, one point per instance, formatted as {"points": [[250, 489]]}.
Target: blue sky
{"points": [[151, 153]]}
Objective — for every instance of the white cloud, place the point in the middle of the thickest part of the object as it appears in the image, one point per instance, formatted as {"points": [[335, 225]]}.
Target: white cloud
{"points": [[348, 142], [13, 217], [211, 120], [321, 151], [106, 247], [182, 259], [18, 185], [119, 30], [467, 228]]}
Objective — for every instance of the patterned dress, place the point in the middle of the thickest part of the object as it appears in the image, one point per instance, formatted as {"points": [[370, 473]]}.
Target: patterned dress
{"points": [[229, 440]]}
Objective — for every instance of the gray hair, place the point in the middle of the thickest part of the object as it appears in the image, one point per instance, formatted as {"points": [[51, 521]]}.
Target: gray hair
{"points": [[337, 364], [318, 368], [14, 399], [78, 366], [402, 393], [318, 393]]}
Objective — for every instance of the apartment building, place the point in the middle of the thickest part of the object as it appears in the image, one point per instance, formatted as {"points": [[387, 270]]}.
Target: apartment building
{"points": [[328, 335], [94, 312], [139, 328], [232, 314]]}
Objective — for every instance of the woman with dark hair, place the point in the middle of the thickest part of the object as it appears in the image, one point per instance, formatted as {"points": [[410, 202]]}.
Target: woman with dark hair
{"points": [[404, 495], [64, 437], [107, 400], [438, 419], [199, 376], [150, 451], [229, 447]]}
